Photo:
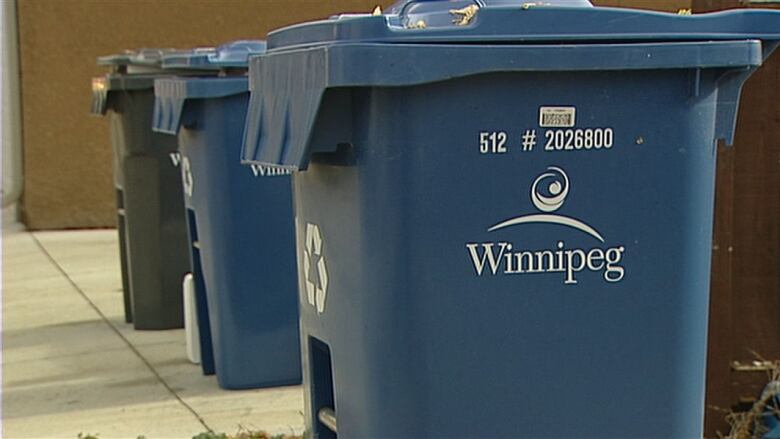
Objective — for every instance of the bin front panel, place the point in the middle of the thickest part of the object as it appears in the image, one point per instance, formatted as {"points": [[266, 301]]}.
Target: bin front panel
{"points": [[246, 236], [478, 267]]}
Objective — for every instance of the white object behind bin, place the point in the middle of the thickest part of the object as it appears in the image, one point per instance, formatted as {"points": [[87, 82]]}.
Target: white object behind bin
{"points": [[191, 319]]}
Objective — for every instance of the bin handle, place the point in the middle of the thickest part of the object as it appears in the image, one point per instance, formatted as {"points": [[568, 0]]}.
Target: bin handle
{"points": [[327, 417]]}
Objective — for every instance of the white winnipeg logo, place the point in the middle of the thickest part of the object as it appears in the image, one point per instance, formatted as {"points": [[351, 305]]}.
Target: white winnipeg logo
{"points": [[548, 194], [557, 183], [313, 261]]}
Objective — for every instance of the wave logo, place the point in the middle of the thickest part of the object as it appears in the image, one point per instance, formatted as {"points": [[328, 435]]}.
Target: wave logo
{"points": [[188, 183], [548, 194]]}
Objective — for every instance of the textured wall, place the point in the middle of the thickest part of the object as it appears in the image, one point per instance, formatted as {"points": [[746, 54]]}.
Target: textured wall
{"points": [[67, 155]]}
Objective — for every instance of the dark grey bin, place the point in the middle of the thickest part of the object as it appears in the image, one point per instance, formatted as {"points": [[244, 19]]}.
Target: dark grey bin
{"points": [[150, 207]]}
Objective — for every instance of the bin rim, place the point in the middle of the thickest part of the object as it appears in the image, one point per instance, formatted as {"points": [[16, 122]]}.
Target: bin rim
{"points": [[119, 81], [234, 54], [146, 57], [104, 86], [421, 22]]}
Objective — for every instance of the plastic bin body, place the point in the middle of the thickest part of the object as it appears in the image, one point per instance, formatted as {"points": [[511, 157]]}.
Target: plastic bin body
{"points": [[99, 107], [155, 229], [245, 233], [517, 355], [466, 270], [150, 211]]}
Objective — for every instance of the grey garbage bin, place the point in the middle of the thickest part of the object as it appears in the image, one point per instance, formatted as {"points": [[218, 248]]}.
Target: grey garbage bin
{"points": [[150, 206]]}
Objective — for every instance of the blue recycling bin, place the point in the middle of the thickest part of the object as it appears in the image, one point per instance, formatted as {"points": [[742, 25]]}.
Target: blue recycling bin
{"points": [[504, 212], [240, 220]]}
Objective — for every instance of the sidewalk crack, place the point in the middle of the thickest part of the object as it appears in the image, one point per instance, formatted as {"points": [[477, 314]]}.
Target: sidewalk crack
{"points": [[116, 330]]}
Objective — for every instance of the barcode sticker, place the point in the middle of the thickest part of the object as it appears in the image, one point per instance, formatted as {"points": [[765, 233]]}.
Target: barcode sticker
{"points": [[556, 117]]}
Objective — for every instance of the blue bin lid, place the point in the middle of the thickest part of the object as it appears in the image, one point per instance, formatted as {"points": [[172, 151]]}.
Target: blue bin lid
{"points": [[574, 21], [231, 55], [147, 57], [170, 95], [446, 39]]}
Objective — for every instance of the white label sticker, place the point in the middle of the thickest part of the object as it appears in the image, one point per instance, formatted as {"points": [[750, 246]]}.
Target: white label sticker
{"points": [[557, 117]]}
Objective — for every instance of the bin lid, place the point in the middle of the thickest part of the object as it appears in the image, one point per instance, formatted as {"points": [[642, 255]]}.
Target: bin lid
{"points": [[170, 95], [138, 61], [130, 70], [136, 70], [446, 39], [230, 55], [576, 21]]}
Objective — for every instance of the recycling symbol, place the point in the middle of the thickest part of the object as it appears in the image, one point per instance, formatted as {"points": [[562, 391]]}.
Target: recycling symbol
{"points": [[315, 272], [186, 176]]}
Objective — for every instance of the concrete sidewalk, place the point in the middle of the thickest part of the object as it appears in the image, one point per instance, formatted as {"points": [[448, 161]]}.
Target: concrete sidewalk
{"points": [[71, 364]]}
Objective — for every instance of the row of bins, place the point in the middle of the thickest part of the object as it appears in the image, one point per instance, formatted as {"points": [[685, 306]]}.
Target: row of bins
{"points": [[448, 219]]}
